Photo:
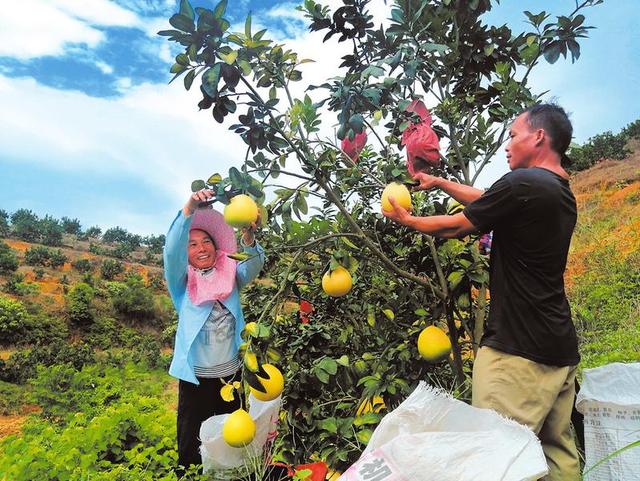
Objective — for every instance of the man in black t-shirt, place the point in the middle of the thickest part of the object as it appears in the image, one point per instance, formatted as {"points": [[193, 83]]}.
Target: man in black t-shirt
{"points": [[526, 365]]}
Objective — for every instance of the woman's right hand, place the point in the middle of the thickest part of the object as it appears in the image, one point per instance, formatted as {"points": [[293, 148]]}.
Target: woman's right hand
{"points": [[427, 181], [195, 199]]}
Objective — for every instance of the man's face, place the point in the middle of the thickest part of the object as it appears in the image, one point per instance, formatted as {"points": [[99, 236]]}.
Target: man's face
{"points": [[201, 250], [522, 146]]}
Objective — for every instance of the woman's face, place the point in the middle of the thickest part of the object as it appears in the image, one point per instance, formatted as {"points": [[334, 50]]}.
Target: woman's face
{"points": [[201, 250]]}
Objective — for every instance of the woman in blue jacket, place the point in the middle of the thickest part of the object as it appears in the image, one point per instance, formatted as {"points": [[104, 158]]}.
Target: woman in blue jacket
{"points": [[204, 284]]}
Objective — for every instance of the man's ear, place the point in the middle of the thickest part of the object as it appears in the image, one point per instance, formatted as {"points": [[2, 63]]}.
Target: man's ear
{"points": [[540, 136]]}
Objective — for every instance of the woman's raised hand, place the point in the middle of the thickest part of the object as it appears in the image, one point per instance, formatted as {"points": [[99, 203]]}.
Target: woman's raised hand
{"points": [[195, 199]]}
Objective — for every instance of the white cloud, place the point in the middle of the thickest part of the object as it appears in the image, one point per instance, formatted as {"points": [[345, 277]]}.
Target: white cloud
{"points": [[154, 133], [104, 67], [38, 28]]}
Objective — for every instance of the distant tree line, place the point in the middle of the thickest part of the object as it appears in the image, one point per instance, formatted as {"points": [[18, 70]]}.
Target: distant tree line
{"points": [[603, 146], [25, 225]]}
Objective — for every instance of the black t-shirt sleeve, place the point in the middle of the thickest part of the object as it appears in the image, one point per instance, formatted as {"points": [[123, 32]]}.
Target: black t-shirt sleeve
{"points": [[495, 206]]}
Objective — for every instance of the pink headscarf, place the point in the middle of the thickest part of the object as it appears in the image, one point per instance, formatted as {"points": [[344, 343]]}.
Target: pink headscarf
{"points": [[217, 284], [423, 145]]}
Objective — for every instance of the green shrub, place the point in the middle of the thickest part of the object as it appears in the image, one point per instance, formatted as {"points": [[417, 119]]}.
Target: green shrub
{"points": [[597, 148], [15, 285], [50, 231], [4, 223], [632, 131], [57, 259], [127, 441], [8, 259], [12, 398], [43, 329], [71, 226], [80, 304], [111, 268], [93, 232], [21, 365], [24, 225], [13, 320], [37, 256], [135, 301], [82, 265]]}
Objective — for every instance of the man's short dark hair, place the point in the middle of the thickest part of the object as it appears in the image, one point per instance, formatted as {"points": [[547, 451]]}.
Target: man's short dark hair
{"points": [[555, 122]]}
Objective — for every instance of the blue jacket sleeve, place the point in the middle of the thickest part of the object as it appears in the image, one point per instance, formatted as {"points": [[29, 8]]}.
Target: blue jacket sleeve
{"points": [[175, 257], [249, 269]]}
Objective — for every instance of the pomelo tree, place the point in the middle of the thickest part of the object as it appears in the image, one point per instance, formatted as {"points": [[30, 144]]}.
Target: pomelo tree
{"points": [[323, 202]]}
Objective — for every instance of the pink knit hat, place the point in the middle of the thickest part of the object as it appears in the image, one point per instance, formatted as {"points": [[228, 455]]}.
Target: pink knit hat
{"points": [[212, 222], [217, 284]]}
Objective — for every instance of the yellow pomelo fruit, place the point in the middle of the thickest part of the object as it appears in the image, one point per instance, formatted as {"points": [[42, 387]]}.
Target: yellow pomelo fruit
{"points": [[274, 385], [338, 282], [400, 194], [433, 344], [238, 429], [241, 211]]}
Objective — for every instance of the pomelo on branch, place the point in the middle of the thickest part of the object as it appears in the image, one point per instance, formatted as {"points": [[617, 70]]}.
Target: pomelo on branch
{"points": [[433, 344], [241, 211], [337, 282], [239, 429], [400, 194], [274, 385]]}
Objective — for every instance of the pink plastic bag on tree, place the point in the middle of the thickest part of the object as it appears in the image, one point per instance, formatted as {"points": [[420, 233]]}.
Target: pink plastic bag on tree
{"points": [[422, 143], [353, 147]]}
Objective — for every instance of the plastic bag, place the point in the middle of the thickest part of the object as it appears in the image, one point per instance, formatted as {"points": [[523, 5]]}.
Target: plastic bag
{"points": [[217, 455], [610, 401], [434, 437]]}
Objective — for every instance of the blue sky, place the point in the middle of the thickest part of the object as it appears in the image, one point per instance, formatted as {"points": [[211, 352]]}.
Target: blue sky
{"points": [[90, 129]]}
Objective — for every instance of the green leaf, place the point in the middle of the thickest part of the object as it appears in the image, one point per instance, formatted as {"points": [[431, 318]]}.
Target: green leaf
{"points": [[177, 68], [328, 424], [186, 9], [230, 57], [364, 435], [245, 66], [454, 279], [214, 179], [197, 185], [328, 365], [389, 313], [343, 360], [369, 418], [188, 79], [210, 80], [247, 26], [236, 177], [182, 23], [301, 204], [218, 12]]}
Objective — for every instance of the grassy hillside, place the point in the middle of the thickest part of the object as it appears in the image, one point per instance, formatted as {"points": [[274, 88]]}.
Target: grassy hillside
{"points": [[603, 274]]}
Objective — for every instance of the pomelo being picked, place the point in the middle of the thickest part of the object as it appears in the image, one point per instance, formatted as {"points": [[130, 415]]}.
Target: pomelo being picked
{"points": [[274, 385], [433, 344], [241, 211], [238, 429], [400, 194], [337, 282]]}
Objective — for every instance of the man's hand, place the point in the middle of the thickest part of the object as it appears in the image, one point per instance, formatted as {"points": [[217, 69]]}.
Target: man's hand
{"points": [[195, 199], [427, 181], [398, 214]]}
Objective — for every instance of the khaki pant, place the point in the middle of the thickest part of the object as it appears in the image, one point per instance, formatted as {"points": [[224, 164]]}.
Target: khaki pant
{"points": [[533, 394]]}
